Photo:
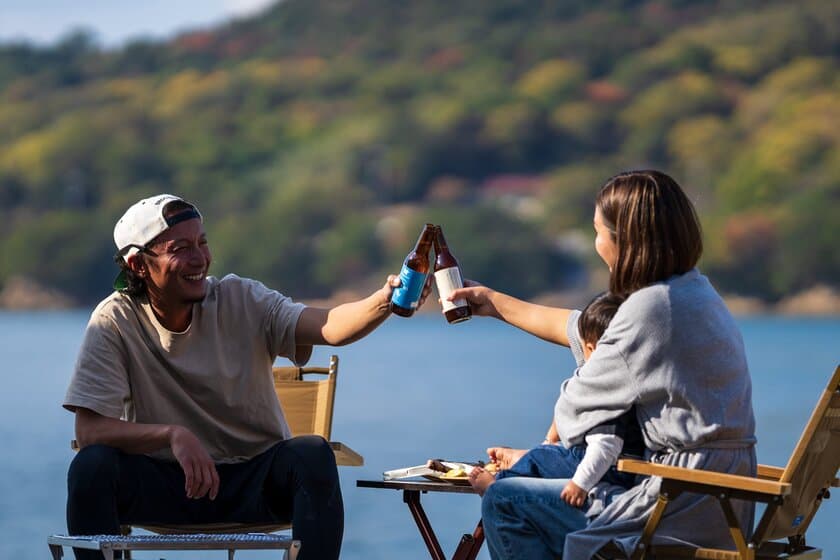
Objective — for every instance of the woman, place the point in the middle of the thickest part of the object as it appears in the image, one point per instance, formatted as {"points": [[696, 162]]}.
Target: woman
{"points": [[672, 350]]}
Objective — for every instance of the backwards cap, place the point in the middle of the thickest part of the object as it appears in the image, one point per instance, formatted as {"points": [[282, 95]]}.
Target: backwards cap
{"points": [[143, 222]]}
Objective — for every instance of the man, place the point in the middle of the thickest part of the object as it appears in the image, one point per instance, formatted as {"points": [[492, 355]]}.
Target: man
{"points": [[176, 415]]}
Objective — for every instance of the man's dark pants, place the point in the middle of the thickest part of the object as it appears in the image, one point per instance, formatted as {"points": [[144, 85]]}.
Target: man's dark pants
{"points": [[295, 480]]}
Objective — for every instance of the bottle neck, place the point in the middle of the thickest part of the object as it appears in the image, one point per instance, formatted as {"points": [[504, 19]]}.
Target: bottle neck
{"points": [[440, 242], [424, 242], [423, 247]]}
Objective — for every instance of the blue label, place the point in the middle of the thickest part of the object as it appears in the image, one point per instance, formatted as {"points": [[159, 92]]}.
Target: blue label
{"points": [[411, 285]]}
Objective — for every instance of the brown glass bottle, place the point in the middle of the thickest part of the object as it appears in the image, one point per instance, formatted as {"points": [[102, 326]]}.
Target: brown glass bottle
{"points": [[448, 278], [413, 275]]}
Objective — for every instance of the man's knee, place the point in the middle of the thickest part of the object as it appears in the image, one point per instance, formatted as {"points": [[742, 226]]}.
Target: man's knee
{"points": [[94, 466], [312, 459], [314, 449], [310, 444]]}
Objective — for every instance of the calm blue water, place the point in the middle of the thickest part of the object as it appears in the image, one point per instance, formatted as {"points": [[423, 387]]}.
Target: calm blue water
{"points": [[414, 389]]}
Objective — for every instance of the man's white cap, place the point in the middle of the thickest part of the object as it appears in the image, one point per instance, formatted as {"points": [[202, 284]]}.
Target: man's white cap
{"points": [[145, 220]]}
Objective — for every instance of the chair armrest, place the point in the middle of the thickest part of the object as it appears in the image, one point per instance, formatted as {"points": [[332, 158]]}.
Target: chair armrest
{"points": [[775, 473], [346, 457], [708, 478], [768, 472]]}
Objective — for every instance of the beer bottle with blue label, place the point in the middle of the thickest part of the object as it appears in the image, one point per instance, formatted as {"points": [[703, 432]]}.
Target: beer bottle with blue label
{"points": [[448, 279], [415, 268]]}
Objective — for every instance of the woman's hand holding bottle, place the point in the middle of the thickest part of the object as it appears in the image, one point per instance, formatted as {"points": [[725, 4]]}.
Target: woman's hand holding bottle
{"points": [[479, 297]]}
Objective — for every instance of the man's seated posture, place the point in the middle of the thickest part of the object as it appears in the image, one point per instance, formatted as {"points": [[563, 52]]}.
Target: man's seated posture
{"points": [[176, 414]]}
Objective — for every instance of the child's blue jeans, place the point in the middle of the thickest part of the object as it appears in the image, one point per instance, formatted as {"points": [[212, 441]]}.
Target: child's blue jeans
{"points": [[556, 461]]}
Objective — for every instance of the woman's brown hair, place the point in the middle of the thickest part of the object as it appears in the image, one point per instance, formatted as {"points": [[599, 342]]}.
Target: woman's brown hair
{"points": [[654, 226]]}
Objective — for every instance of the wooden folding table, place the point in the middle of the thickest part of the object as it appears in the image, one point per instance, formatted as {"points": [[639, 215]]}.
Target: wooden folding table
{"points": [[469, 545]]}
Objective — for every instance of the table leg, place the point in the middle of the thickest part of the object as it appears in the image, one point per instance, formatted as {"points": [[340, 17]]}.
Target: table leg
{"points": [[412, 498], [57, 551], [470, 544]]}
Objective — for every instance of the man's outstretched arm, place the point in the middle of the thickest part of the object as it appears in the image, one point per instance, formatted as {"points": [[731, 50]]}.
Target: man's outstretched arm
{"points": [[348, 322]]}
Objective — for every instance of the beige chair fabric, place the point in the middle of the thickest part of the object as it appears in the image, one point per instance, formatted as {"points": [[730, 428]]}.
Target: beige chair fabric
{"points": [[307, 403]]}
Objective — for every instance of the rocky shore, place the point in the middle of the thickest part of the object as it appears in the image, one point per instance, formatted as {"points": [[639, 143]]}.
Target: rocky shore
{"points": [[20, 293], [820, 300]]}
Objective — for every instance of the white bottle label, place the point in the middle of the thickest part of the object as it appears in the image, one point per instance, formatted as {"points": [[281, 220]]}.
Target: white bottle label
{"points": [[448, 280]]}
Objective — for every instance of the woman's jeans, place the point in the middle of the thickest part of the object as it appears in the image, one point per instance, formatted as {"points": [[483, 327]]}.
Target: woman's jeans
{"points": [[525, 518], [295, 480]]}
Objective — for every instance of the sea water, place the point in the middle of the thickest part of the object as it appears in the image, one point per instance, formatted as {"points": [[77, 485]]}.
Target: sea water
{"points": [[415, 389]]}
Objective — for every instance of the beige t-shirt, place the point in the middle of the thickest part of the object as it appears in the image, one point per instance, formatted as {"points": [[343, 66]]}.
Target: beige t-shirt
{"points": [[214, 378]]}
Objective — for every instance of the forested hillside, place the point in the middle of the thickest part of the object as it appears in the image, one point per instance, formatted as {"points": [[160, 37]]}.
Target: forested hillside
{"points": [[318, 136]]}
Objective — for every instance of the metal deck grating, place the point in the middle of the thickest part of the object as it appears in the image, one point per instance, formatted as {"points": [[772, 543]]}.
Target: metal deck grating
{"points": [[197, 541], [182, 539]]}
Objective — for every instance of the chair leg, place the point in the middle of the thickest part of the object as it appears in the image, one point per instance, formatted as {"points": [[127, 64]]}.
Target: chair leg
{"points": [[764, 523], [653, 522], [744, 551], [293, 551], [125, 530]]}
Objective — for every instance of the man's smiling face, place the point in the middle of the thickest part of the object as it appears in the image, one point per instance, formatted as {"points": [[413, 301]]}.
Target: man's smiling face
{"points": [[178, 263]]}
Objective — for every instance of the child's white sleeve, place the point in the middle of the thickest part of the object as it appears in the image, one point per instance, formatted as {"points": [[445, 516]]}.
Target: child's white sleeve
{"points": [[602, 451]]}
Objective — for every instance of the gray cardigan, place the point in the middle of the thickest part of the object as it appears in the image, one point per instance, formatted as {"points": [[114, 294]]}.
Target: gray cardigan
{"points": [[674, 351]]}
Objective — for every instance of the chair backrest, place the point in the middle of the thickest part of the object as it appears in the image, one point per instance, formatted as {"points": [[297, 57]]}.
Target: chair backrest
{"points": [[307, 404], [811, 470]]}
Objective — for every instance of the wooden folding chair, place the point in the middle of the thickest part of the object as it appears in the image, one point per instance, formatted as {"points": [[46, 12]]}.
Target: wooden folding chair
{"points": [[792, 494]]}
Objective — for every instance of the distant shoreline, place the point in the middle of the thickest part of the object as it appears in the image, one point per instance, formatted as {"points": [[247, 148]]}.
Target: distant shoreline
{"points": [[818, 301], [21, 294]]}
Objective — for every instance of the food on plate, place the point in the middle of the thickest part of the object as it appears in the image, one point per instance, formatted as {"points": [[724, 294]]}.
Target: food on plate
{"points": [[458, 471], [454, 473], [437, 465]]}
